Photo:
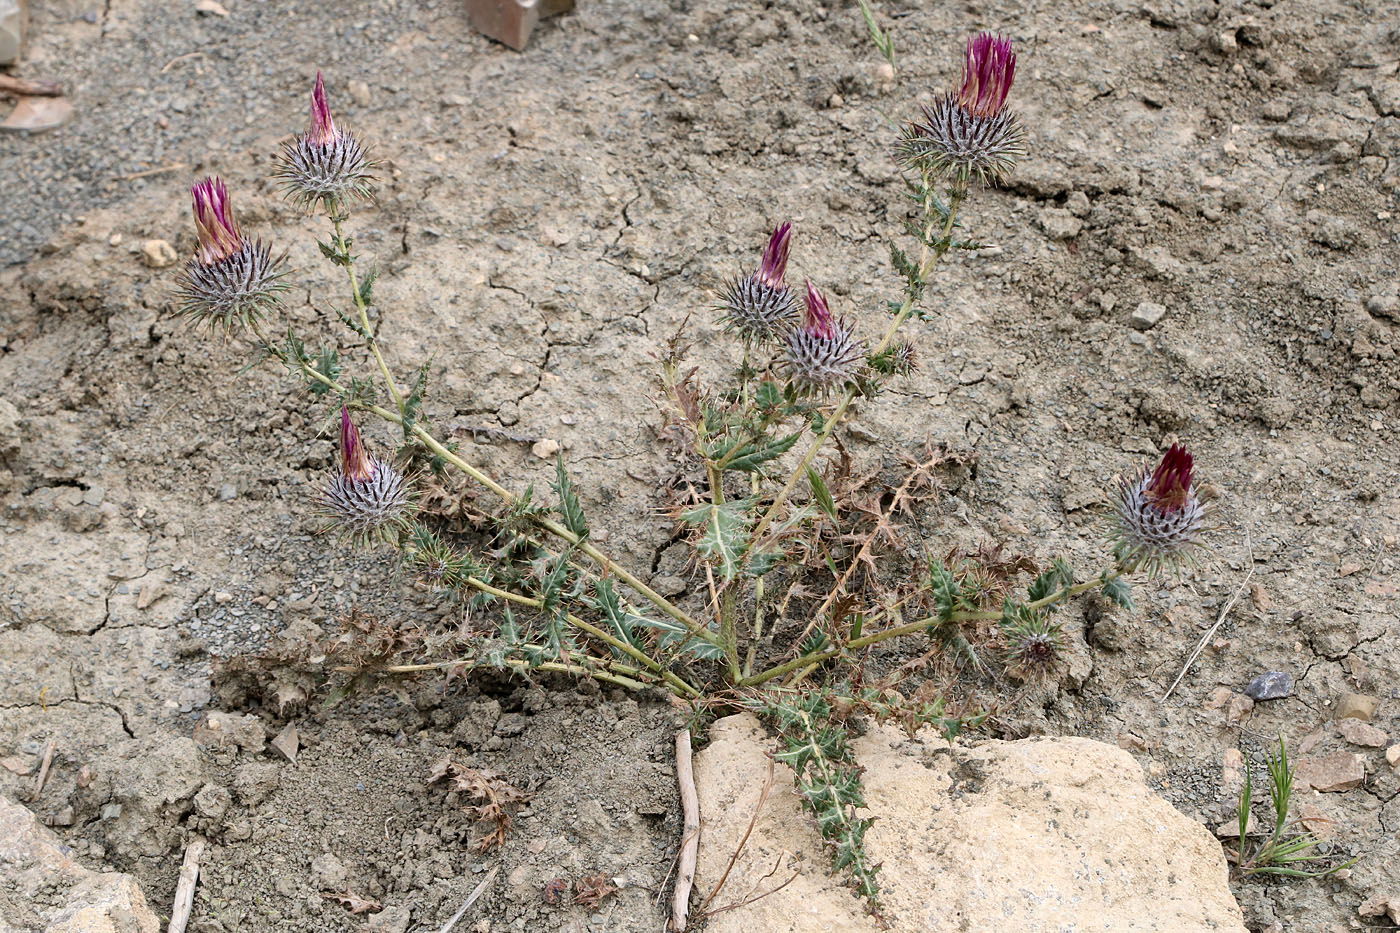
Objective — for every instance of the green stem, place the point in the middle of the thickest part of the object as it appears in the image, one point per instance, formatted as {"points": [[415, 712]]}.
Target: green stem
{"points": [[911, 627], [927, 258], [677, 684], [363, 308]]}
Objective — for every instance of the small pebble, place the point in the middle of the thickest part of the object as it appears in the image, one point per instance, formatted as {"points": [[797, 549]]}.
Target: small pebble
{"points": [[1272, 685], [1147, 314], [158, 254]]}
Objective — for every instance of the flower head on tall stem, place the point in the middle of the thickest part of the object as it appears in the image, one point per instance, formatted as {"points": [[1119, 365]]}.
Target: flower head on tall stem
{"points": [[326, 164], [760, 307], [823, 353], [230, 281], [366, 498], [969, 133], [1159, 516]]}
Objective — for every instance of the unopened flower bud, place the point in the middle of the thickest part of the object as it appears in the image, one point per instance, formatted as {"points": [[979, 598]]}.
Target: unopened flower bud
{"points": [[326, 164], [1160, 516], [970, 133], [367, 498], [231, 280], [823, 353], [760, 307], [1033, 644]]}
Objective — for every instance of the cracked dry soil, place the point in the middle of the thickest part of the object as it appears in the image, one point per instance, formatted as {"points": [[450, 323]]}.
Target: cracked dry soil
{"points": [[545, 221]]}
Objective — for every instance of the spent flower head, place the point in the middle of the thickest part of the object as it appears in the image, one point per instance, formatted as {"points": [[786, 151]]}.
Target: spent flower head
{"points": [[230, 281], [326, 164], [1033, 644], [969, 133], [823, 353], [760, 307], [1159, 516], [367, 498]]}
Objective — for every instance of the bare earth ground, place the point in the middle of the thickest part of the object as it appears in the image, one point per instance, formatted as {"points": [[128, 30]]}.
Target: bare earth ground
{"points": [[545, 221]]}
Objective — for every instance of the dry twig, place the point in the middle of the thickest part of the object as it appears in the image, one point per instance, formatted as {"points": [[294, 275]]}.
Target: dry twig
{"points": [[471, 899], [184, 888], [43, 772], [13, 86], [1205, 639], [753, 821], [690, 842]]}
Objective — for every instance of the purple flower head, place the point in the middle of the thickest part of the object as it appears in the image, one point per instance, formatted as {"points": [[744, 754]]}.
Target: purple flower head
{"points": [[1160, 516], [971, 133], [218, 233], [322, 126], [817, 321], [368, 499], [230, 281], [775, 257], [326, 165], [354, 459], [989, 68], [1170, 486]]}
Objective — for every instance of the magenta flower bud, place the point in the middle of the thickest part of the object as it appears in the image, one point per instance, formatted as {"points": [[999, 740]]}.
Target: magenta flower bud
{"points": [[989, 68], [760, 307], [1160, 516], [817, 320], [822, 354], [326, 165], [970, 133], [213, 221], [775, 257], [322, 126], [368, 499], [230, 281]]}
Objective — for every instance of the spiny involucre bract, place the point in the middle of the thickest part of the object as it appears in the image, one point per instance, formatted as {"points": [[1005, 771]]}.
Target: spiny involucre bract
{"points": [[760, 307], [823, 353], [327, 164], [365, 498], [1159, 516], [970, 133], [230, 281]]}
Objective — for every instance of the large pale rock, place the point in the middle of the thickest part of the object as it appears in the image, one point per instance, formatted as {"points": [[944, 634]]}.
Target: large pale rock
{"points": [[1037, 835], [43, 889]]}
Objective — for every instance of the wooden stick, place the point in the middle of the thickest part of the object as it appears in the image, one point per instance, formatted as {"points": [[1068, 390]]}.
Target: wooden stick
{"points": [[1205, 639], [9, 84], [43, 772], [471, 899], [184, 888], [690, 842]]}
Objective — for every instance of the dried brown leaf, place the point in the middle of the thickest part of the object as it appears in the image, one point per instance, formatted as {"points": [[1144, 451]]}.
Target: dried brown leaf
{"points": [[591, 890]]}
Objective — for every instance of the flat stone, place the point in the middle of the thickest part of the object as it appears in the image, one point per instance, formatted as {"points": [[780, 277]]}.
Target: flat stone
{"points": [[219, 729], [37, 114], [1392, 756], [1039, 834], [287, 743], [1238, 709], [1356, 706], [43, 888], [1271, 685], [1146, 315], [11, 31], [1362, 733], [1331, 774], [158, 254], [545, 449]]}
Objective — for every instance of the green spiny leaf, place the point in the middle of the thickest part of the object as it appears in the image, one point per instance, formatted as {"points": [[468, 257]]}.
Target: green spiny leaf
{"points": [[569, 507], [749, 457], [413, 404], [367, 287], [1119, 591], [725, 533], [821, 493]]}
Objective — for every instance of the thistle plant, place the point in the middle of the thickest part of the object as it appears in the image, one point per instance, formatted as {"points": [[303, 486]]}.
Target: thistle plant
{"points": [[789, 612]]}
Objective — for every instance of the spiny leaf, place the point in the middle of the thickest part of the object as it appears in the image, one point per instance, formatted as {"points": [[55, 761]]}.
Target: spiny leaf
{"points": [[622, 622], [367, 287], [1120, 591], [413, 405], [751, 456], [725, 535], [569, 507], [328, 365], [1044, 586], [821, 493]]}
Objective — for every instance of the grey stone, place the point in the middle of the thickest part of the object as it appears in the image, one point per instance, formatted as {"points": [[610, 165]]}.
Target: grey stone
{"points": [[11, 31], [1271, 685], [1059, 224], [1147, 314]]}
